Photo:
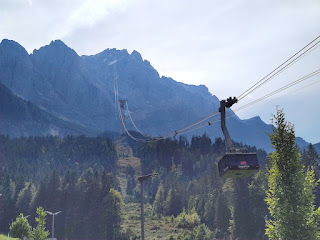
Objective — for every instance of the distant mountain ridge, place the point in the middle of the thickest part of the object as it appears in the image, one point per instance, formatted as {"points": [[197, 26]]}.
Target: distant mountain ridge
{"points": [[23, 118], [317, 147], [80, 89]]}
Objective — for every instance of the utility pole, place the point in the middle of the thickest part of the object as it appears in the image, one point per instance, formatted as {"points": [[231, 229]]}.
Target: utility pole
{"points": [[53, 214], [141, 180]]}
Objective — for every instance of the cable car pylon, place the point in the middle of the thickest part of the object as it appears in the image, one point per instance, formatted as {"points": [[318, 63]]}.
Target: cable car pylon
{"points": [[236, 163]]}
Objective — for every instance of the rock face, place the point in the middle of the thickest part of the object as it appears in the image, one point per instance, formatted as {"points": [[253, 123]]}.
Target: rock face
{"points": [[23, 118], [81, 89]]}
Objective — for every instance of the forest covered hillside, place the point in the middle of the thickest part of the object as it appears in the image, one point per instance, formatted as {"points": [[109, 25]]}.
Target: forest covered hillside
{"points": [[93, 181]]}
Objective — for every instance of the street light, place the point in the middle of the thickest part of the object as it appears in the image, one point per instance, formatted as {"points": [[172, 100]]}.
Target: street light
{"points": [[53, 214], [141, 180]]}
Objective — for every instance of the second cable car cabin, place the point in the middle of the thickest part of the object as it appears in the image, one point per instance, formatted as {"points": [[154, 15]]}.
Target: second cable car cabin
{"points": [[236, 163]]}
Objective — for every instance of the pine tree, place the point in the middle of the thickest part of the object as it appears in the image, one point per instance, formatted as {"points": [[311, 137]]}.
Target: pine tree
{"points": [[69, 205], [7, 201], [159, 200], [173, 203], [112, 217], [239, 204], [24, 198], [290, 195], [311, 158]]}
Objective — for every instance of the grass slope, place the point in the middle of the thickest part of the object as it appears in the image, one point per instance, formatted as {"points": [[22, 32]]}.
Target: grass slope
{"points": [[156, 227], [5, 237]]}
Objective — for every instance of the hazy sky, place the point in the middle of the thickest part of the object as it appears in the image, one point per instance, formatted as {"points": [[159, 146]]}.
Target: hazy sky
{"points": [[226, 45]]}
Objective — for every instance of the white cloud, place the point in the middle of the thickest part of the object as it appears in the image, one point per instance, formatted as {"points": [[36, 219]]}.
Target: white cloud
{"points": [[89, 13]]}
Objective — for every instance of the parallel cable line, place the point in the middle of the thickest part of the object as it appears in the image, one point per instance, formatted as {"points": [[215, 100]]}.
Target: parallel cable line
{"points": [[280, 89], [232, 114], [285, 65], [194, 125], [264, 97], [138, 130], [126, 130]]}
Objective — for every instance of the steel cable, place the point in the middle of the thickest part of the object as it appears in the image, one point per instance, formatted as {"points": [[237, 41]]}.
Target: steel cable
{"points": [[285, 65]]}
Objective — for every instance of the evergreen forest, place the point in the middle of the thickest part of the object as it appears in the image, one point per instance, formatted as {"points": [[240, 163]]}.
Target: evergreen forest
{"points": [[93, 182]]}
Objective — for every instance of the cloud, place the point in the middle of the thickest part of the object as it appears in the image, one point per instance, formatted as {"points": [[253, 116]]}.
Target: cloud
{"points": [[89, 13]]}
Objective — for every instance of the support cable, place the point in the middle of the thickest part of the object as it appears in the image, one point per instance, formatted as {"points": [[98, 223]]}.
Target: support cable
{"points": [[280, 89], [296, 57], [138, 130]]}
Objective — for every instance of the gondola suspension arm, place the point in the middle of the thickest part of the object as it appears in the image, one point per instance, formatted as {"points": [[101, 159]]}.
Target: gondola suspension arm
{"points": [[223, 105]]}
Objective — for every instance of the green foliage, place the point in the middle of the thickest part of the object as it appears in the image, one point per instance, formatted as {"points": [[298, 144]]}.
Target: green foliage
{"points": [[112, 217], [188, 220], [311, 158], [71, 174], [290, 195], [25, 197], [258, 208], [40, 232], [20, 228], [199, 233], [5, 237], [239, 205], [159, 200], [172, 204], [131, 184], [35, 157], [222, 215], [171, 237]]}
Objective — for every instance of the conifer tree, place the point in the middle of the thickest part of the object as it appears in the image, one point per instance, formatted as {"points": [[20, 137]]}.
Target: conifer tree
{"points": [[290, 195], [310, 158], [159, 200], [24, 198], [112, 217]]}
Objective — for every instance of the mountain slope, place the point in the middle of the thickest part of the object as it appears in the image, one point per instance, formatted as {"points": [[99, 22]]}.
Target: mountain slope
{"points": [[317, 147], [82, 90], [22, 118]]}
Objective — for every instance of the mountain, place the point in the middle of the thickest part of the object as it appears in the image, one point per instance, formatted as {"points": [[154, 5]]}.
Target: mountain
{"points": [[317, 147], [81, 89], [23, 118]]}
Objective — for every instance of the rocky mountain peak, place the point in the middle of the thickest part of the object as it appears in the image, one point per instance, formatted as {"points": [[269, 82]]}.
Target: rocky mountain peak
{"points": [[56, 50], [12, 47], [136, 55]]}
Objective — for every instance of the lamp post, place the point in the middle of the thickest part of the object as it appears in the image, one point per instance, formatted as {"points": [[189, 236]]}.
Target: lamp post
{"points": [[141, 180], [53, 214]]}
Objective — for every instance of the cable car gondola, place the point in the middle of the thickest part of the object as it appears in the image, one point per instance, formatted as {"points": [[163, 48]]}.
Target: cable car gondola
{"points": [[236, 163]]}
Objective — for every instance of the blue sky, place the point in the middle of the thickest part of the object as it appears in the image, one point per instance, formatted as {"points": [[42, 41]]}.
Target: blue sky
{"points": [[226, 45]]}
